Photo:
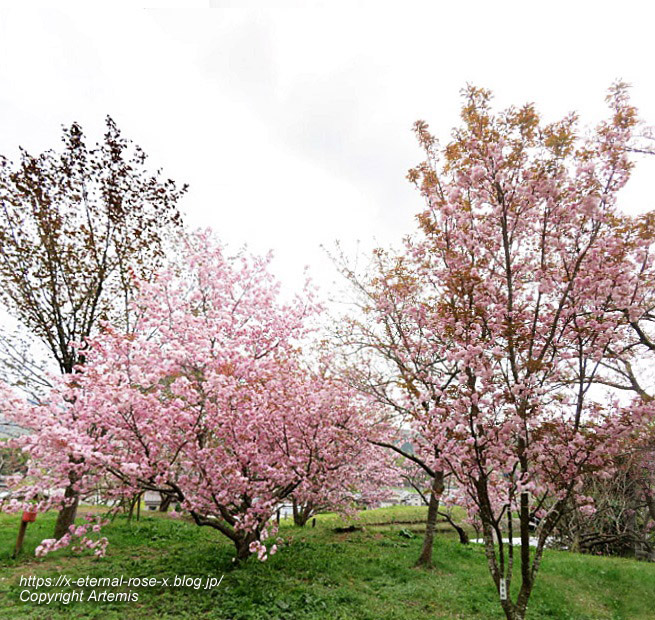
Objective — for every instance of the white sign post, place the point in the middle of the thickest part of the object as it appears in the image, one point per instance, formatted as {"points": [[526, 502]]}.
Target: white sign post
{"points": [[503, 590]]}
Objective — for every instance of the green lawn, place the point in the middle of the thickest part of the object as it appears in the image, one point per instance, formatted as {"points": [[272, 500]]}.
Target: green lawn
{"points": [[317, 574]]}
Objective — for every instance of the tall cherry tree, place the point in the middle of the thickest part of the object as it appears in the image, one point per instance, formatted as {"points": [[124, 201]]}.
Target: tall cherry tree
{"points": [[76, 225], [497, 318], [391, 354], [529, 258]]}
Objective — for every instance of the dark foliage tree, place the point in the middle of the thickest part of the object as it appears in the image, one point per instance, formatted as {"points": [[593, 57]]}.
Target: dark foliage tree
{"points": [[76, 225]]}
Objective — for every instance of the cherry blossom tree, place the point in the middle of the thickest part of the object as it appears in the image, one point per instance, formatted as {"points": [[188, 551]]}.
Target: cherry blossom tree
{"points": [[497, 317], [531, 260], [75, 224], [207, 400], [356, 472], [628, 370], [389, 355], [621, 523]]}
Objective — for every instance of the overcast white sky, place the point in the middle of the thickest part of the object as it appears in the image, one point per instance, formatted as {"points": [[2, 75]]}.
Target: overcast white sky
{"points": [[293, 126]]}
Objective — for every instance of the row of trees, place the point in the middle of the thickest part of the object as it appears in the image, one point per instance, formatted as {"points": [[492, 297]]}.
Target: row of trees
{"points": [[499, 336]]}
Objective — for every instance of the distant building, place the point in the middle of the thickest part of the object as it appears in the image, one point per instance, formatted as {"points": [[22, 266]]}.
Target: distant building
{"points": [[152, 499]]}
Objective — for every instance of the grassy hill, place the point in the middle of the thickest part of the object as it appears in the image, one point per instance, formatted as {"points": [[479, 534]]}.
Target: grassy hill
{"points": [[317, 574]]}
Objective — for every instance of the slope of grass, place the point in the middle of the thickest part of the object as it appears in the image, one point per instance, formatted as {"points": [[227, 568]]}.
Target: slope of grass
{"points": [[317, 574]]}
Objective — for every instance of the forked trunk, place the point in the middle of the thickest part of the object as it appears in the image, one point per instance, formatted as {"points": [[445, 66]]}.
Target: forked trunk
{"points": [[301, 513], [514, 612]]}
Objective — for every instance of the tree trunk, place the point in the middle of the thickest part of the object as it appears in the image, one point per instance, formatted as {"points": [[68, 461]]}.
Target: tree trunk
{"points": [[296, 514], [520, 611], [301, 513], [242, 544], [243, 550], [135, 502], [512, 612], [66, 516], [132, 505], [425, 559], [463, 536], [461, 532], [650, 502], [165, 503]]}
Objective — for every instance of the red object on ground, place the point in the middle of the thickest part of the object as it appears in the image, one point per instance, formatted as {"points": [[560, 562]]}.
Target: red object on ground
{"points": [[29, 516]]}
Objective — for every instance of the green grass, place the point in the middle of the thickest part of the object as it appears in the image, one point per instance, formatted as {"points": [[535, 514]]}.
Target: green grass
{"points": [[389, 516], [317, 574]]}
